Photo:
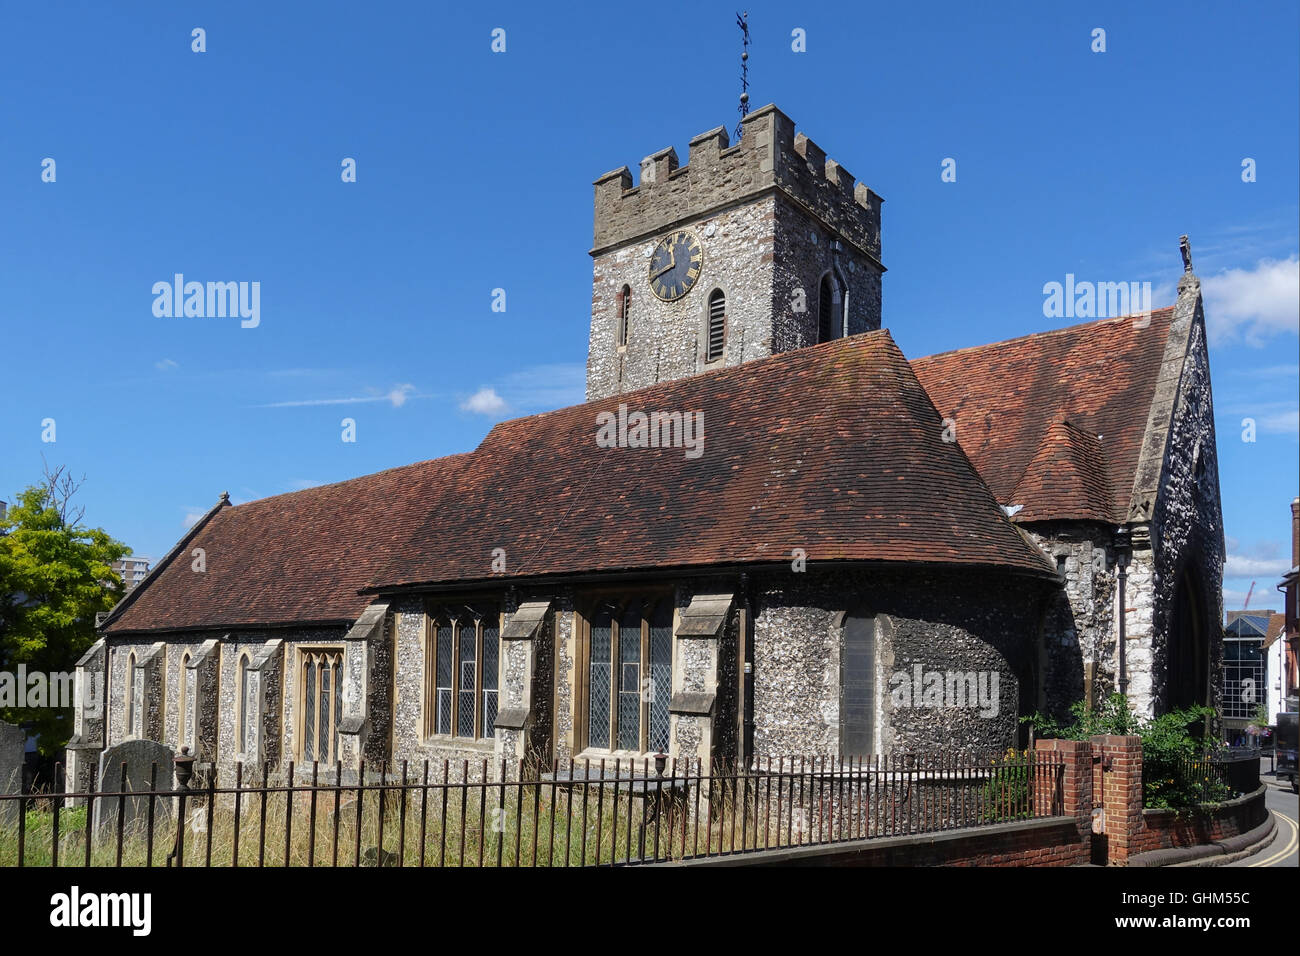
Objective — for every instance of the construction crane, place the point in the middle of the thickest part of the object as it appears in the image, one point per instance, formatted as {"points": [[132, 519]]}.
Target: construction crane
{"points": [[1248, 594]]}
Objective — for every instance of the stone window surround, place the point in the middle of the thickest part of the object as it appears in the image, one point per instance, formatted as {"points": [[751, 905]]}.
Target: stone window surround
{"points": [[840, 297], [431, 739], [301, 653], [622, 318], [704, 361], [242, 664], [580, 653]]}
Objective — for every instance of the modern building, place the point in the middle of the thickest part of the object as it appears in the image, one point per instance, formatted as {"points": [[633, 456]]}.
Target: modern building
{"points": [[132, 571]]}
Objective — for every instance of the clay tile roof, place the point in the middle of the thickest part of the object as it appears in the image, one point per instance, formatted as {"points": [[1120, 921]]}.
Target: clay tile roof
{"points": [[295, 558], [1276, 624], [1007, 398], [836, 450], [1067, 479]]}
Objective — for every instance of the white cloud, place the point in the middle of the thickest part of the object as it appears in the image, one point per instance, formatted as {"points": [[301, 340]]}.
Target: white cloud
{"points": [[1241, 566], [485, 401], [300, 484], [1253, 304], [166, 365], [192, 515], [397, 396], [400, 393], [1233, 600]]}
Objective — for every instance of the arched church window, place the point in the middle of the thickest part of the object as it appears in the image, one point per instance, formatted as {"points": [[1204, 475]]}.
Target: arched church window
{"points": [[132, 683], [717, 326], [624, 315], [321, 675], [241, 740], [181, 741]]}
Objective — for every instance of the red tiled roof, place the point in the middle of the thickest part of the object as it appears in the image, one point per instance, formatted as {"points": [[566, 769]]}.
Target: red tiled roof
{"points": [[1066, 479], [1276, 624], [1009, 399], [295, 558], [834, 449]]}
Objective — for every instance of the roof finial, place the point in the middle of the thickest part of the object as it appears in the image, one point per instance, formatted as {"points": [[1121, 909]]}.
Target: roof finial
{"points": [[742, 21], [224, 499], [1186, 248]]}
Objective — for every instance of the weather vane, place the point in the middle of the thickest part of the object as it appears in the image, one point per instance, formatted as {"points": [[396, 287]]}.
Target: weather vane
{"points": [[742, 21]]}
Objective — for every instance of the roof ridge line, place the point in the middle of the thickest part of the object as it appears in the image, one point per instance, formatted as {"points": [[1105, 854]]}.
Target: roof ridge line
{"points": [[1043, 334]]}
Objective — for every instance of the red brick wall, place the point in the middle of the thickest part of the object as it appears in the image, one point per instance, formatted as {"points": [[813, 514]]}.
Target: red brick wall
{"points": [[1166, 829]]}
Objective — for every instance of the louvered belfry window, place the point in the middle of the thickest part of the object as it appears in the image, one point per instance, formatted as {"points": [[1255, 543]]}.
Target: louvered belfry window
{"points": [[629, 675], [717, 326], [624, 314], [462, 659]]}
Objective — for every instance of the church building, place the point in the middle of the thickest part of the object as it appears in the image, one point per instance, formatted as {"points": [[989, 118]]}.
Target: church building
{"points": [[767, 532]]}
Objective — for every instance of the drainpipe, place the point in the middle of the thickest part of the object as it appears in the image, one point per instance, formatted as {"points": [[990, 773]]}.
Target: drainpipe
{"points": [[1123, 544], [843, 318]]}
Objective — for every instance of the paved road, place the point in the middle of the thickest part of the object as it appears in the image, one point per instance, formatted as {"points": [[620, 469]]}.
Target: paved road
{"points": [[1282, 850]]}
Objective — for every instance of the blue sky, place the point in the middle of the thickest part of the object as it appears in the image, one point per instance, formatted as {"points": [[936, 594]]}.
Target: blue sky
{"points": [[474, 172]]}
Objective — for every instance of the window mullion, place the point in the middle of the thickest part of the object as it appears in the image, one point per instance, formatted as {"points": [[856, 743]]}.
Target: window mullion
{"points": [[643, 673], [478, 680]]}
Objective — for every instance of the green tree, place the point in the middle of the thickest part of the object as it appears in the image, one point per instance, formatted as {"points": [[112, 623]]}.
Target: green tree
{"points": [[55, 575]]}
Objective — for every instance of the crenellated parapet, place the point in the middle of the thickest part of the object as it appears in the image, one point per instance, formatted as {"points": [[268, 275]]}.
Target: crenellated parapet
{"points": [[769, 157]]}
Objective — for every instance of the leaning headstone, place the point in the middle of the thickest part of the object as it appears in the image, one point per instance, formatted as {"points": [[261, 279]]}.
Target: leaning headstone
{"points": [[138, 756], [12, 746]]}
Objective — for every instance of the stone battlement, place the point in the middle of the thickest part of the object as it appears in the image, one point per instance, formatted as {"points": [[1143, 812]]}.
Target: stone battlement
{"points": [[769, 157]]}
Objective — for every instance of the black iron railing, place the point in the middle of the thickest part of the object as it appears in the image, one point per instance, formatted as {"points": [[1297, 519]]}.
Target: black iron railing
{"points": [[572, 814]]}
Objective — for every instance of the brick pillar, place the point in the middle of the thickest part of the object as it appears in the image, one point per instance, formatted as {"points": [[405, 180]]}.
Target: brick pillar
{"points": [[1121, 759], [1076, 787]]}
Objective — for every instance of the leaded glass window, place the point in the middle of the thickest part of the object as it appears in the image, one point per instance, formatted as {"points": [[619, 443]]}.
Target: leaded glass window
{"points": [[462, 683], [446, 663], [322, 697], [468, 669], [491, 652], [629, 679], [660, 689], [601, 667], [629, 676]]}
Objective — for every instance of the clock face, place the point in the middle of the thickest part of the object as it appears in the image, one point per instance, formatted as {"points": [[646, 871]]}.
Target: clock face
{"points": [[675, 265]]}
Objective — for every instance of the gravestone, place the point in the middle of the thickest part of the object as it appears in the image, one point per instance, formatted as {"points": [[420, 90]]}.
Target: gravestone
{"points": [[12, 741], [139, 756]]}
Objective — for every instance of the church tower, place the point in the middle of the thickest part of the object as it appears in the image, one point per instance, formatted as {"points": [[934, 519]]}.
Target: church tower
{"points": [[744, 252]]}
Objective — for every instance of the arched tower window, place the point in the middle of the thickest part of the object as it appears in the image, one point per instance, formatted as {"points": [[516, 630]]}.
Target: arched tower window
{"points": [[830, 309], [717, 326], [624, 315]]}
